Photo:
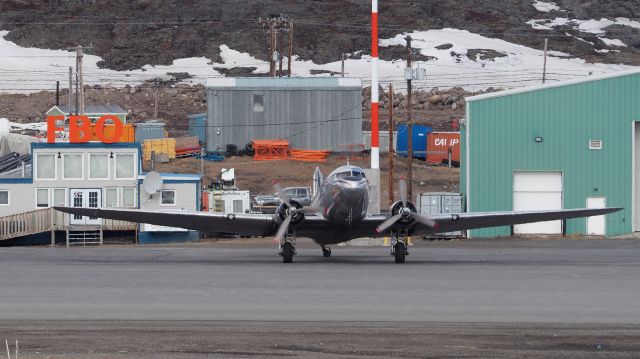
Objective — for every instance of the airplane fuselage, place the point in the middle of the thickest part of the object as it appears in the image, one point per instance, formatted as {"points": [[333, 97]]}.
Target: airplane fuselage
{"points": [[343, 197]]}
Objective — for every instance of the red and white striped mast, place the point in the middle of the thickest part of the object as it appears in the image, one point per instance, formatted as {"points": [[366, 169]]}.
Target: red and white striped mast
{"points": [[375, 139]]}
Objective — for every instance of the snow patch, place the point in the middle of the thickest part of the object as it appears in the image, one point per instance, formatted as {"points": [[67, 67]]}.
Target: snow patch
{"points": [[28, 70], [590, 26], [546, 6], [613, 42]]}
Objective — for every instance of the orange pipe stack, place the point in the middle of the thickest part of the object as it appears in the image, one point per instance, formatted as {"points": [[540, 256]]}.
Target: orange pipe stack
{"points": [[309, 155]]}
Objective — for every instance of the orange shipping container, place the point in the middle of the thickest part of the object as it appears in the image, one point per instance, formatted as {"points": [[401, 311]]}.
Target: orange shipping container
{"points": [[128, 132], [438, 145]]}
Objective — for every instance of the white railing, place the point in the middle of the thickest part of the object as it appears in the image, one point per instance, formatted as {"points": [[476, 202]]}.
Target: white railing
{"points": [[48, 219], [24, 224]]}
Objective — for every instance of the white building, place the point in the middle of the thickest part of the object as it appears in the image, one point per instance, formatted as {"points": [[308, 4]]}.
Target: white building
{"points": [[88, 175]]}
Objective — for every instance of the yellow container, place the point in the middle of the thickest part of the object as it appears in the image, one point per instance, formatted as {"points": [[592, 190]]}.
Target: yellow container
{"points": [[128, 132], [159, 145]]}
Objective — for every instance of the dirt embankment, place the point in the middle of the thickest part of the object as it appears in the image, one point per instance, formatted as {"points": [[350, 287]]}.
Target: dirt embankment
{"points": [[258, 176], [172, 103], [169, 102]]}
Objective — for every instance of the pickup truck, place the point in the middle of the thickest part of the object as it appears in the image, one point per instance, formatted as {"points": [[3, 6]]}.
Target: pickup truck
{"points": [[269, 203]]}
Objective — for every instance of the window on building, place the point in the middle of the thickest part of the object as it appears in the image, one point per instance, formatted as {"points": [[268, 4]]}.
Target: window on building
{"points": [[125, 166], [4, 197], [258, 103], [72, 166], [128, 197], [168, 197], [59, 197], [42, 197], [111, 197], [46, 166], [98, 166]]}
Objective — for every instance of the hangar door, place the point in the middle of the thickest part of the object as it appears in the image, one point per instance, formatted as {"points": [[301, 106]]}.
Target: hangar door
{"points": [[534, 191]]}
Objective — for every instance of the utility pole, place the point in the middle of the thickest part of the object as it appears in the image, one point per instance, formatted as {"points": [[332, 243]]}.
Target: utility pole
{"points": [[290, 45], [70, 89], [57, 93], [279, 55], [275, 25], [409, 122], [342, 71], [156, 100], [390, 144], [272, 60], [544, 67], [77, 82], [79, 56]]}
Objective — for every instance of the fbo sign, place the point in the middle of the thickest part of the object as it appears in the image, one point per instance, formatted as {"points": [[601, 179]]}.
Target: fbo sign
{"points": [[81, 129]]}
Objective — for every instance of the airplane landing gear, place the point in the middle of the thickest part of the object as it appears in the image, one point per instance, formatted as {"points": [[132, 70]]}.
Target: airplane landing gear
{"points": [[288, 247], [399, 252], [399, 247], [287, 252], [326, 252]]}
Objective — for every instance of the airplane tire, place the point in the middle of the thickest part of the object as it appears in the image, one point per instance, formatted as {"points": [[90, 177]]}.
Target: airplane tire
{"points": [[400, 252], [326, 252], [287, 253]]}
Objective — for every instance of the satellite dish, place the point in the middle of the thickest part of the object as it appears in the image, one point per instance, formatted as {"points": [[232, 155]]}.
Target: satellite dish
{"points": [[152, 183]]}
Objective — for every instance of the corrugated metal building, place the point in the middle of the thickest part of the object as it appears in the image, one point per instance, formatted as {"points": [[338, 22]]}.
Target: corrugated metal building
{"points": [[563, 145], [311, 113]]}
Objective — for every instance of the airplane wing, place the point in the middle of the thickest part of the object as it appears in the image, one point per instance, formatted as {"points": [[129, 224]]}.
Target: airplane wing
{"points": [[240, 223], [316, 226], [464, 221]]}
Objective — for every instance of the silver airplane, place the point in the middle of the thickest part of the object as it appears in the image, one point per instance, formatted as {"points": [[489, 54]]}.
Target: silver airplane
{"points": [[338, 213]]}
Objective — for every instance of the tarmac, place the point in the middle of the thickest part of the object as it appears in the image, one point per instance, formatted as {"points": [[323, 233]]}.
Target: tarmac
{"points": [[485, 296]]}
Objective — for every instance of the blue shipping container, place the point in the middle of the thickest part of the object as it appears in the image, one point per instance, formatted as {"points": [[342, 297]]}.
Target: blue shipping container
{"points": [[419, 140], [198, 126]]}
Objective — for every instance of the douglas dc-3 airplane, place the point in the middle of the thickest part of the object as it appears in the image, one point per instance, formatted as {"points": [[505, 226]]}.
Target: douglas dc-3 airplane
{"points": [[338, 213]]}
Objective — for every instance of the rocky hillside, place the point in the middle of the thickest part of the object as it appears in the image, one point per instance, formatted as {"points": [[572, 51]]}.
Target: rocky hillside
{"points": [[130, 33]]}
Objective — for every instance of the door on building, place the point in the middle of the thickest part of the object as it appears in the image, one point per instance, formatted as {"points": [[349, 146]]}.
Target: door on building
{"points": [[84, 197], [536, 191], [596, 224]]}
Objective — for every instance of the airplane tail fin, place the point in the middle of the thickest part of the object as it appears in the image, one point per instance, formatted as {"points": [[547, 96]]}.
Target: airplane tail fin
{"points": [[318, 178]]}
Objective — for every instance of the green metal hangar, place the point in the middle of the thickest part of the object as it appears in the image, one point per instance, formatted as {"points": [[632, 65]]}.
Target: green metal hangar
{"points": [[569, 144]]}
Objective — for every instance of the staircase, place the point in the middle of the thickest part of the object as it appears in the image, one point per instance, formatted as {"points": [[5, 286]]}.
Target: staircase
{"points": [[84, 235], [28, 223]]}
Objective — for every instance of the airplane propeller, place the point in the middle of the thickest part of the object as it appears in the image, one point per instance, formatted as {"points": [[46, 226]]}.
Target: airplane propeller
{"points": [[291, 212], [405, 212]]}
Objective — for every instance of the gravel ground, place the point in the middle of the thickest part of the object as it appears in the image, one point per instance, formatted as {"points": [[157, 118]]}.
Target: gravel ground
{"points": [[200, 339]]}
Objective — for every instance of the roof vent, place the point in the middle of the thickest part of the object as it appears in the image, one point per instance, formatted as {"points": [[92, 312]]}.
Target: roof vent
{"points": [[595, 144]]}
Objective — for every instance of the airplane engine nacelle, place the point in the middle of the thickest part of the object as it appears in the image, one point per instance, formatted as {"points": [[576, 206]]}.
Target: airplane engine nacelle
{"points": [[283, 211], [398, 207]]}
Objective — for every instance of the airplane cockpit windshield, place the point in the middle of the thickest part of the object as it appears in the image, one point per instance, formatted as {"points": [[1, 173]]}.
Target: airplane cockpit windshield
{"points": [[350, 174]]}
